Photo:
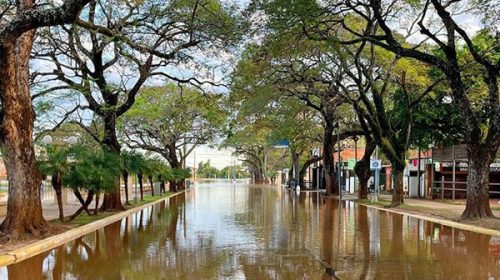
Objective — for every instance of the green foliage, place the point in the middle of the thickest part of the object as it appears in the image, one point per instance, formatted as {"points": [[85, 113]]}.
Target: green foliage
{"points": [[133, 162], [181, 174], [168, 117], [205, 170], [91, 169], [234, 171], [55, 159]]}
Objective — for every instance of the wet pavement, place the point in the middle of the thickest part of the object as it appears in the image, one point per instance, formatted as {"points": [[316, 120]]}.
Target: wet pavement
{"points": [[225, 231]]}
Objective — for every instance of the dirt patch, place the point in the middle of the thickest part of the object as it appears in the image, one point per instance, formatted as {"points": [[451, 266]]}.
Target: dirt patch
{"points": [[57, 228]]}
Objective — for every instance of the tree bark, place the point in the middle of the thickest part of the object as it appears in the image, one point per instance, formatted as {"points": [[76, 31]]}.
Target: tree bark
{"points": [[84, 206], [141, 185], [258, 177], [162, 184], [24, 208], [150, 177], [112, 198], [125, 181], [362, 170], [398, 192], [173, 186], [175, 163], [97, 197], [478, 203], [57, 185], [162, 187], [331, 183]]}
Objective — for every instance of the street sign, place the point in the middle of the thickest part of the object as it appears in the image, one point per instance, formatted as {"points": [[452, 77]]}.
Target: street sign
{"points": [[281, 144], [375, 164]]}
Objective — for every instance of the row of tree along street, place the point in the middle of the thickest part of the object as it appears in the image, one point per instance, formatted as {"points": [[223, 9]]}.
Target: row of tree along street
{"points": [[129, 75], [401, 74], [82, 65], [207, 171]]}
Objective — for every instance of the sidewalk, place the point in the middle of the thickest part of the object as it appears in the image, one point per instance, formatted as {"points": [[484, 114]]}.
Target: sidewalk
{"points": [[444, 210], [49, 204]]}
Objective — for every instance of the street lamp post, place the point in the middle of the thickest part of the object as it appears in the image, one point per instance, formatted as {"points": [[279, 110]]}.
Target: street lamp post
{"points": [[355, 158], [339, 162], [48, 140]]}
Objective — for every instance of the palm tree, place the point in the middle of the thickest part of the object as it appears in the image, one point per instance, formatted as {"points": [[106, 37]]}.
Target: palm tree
{"points": [[91, 170], [55, 164], [179, 175], [133, 163], [164, 175], [155, 168]]}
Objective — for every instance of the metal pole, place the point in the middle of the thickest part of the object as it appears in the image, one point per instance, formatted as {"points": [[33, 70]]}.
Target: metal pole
{"points": [[418, 174]]}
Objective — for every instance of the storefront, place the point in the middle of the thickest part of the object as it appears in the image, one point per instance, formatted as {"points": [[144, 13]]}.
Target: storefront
{"points": [[449, 174]]}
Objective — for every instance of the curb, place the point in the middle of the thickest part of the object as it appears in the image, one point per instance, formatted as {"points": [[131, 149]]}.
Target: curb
{"points": [[52, 242], [449, 223]]}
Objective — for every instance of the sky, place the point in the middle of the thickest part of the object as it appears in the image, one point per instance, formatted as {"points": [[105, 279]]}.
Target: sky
{"points": [[222, 158], [218, 158]]}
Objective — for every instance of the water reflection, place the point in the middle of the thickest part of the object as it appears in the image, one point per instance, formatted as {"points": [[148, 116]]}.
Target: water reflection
{"points": [[247, 232]]}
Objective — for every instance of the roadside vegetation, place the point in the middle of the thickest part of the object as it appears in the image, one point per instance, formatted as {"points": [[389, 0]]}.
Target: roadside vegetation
{"points": [[99, 94]]}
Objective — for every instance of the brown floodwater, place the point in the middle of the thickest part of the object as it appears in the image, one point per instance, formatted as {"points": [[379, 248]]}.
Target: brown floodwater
{"points": [[224, 231]]}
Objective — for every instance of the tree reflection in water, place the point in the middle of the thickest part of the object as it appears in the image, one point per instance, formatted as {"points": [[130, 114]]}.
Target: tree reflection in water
{"points": [[250, 232]]}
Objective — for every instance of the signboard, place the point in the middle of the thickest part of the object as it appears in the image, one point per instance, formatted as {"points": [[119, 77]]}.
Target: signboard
{"points": [[375, 164], [281, 144], [350, 164]]}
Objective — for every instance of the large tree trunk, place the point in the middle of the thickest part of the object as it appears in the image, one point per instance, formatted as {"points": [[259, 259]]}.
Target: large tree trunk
{"points": [[176, 164], [112, 198], [57, 185], [331, 183], [24, 208], [173, 186], [162, 187], [97, 197], [362, 170], [398, 192], [141, 185], [478, 203], [258, 177], [125, 181], [303, 170], [162, 184]]}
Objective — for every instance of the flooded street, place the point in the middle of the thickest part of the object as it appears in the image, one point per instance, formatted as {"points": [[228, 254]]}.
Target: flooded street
{"points": [[225, 231]]}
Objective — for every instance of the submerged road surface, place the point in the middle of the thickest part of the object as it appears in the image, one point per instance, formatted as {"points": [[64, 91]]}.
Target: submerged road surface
{"points": [[225, 231]]}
